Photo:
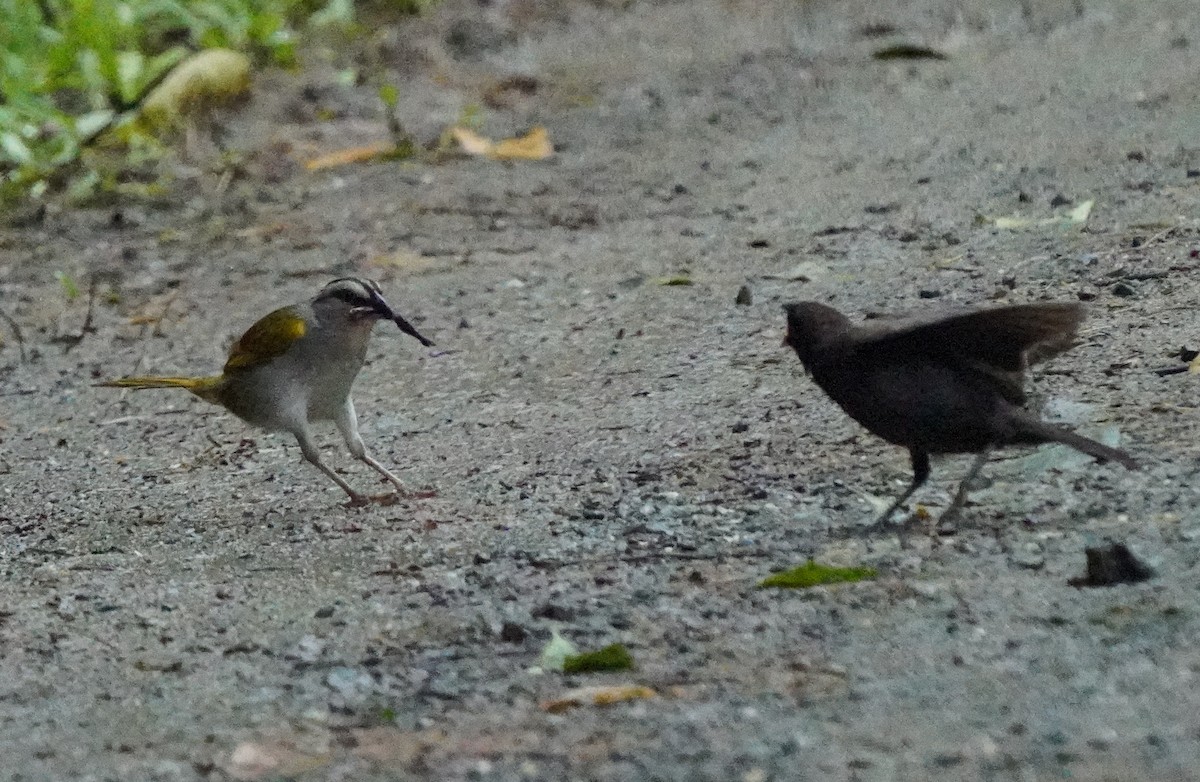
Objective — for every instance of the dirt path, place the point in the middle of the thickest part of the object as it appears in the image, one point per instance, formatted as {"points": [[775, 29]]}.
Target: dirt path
{"points": [[617, 458]]}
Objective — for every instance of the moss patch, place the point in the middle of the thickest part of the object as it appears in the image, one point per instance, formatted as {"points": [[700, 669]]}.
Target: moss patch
{"points": [[614, 657], [812, 574]]}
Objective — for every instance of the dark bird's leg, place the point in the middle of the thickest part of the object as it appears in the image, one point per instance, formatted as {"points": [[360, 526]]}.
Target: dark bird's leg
{"points": [[920, 465], [960, 497]]}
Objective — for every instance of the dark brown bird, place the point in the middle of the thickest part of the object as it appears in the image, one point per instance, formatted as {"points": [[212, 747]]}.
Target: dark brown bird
{"points": [[946, 384]]}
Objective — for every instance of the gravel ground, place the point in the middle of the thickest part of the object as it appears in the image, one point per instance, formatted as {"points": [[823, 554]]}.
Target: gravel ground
{"points": [[613, 457]]}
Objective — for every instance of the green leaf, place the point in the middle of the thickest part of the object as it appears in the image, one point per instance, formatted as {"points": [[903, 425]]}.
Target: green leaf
{"points": [[15, 149], [88, 124], [812, 574], [130, 67]]}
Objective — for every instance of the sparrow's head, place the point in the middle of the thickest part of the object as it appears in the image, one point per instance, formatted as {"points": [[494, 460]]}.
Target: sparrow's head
{"points": [[813, 327], [356, 299]]}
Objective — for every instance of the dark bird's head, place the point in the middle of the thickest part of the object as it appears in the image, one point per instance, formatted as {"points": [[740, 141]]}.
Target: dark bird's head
{"points": [[814, 328], [358, 299]]}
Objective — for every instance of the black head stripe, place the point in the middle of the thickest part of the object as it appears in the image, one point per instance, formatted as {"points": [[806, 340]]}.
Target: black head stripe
{"points": [[359, 292], [351, 290]]}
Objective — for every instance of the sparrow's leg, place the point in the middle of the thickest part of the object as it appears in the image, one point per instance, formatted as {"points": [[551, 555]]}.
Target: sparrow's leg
{"points": [[347, 424], [312, 454]]}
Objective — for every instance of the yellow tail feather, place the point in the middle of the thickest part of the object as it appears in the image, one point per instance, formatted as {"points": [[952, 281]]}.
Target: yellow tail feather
{"points": [[203, 387]]}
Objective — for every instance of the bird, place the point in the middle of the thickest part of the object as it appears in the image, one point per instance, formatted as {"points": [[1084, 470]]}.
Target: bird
{"points": [[948, 382], [295, 366]]}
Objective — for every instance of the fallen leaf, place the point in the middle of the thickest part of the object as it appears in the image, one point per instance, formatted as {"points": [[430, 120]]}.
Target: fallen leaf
{"points": [[1077, 216], [345, 157], [471, 142], [604, 695], [674, 279], [534, 145]]}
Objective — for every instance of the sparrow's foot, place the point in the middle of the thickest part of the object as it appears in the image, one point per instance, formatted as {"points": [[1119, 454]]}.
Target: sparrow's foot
{"points": [[391, 498]]}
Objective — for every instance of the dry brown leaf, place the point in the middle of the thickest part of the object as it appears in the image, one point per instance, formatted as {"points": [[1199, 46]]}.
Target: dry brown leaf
{"points": [[534, 145], [602, 695], [471, 142], [345, 157]]}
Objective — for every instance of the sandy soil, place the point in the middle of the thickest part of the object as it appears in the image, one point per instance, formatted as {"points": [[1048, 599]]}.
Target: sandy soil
{"points": [[616, 458]]}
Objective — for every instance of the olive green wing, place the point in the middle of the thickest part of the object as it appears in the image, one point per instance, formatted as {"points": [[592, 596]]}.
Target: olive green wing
{"points": [[271, 336]]}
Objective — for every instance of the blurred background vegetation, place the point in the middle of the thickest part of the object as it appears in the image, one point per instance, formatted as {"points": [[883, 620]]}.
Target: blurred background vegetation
{"points": [[77, 75]]}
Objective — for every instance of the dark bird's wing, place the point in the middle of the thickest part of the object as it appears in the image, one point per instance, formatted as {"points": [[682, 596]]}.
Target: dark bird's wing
{"points": [[1007, 339], [996, 344]]}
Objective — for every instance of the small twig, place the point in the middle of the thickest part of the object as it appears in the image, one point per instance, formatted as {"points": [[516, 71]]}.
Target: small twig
{"points": [[16, 330], [1159, 235]]}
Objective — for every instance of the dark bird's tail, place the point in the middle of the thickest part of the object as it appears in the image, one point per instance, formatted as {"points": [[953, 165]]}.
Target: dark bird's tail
{"points": [[1035, 431]]}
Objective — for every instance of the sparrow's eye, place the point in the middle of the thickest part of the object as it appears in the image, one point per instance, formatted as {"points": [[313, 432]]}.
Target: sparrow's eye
{"points": [[353, 298]]}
